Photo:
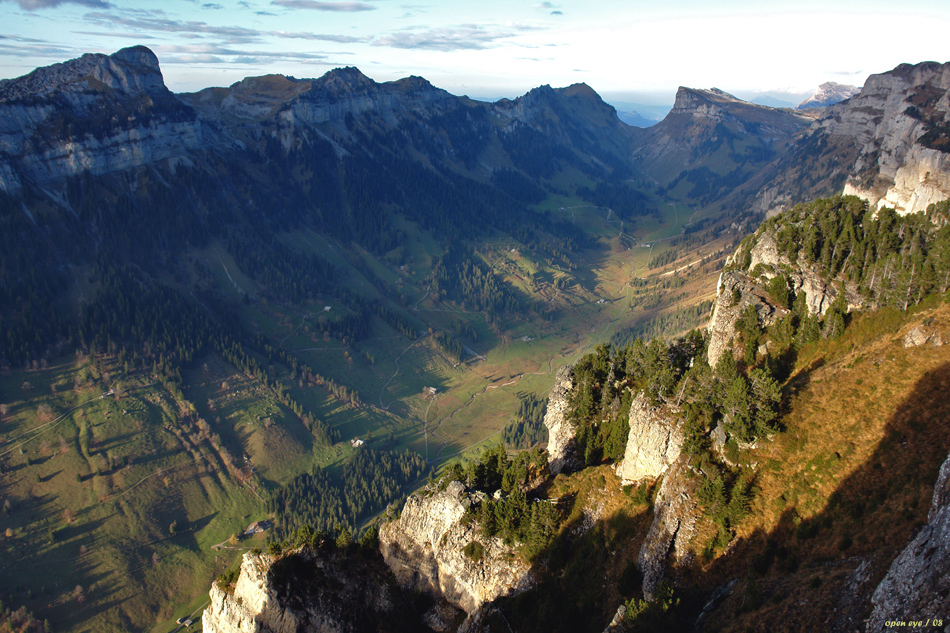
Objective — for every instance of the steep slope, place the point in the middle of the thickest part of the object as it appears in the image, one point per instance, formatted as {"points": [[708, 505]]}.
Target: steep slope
{"points": [[98, 114], [712, 142], [887, 144]]}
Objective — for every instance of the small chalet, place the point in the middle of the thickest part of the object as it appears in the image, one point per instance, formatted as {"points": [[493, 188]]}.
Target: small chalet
{"points": [[258, 527]]}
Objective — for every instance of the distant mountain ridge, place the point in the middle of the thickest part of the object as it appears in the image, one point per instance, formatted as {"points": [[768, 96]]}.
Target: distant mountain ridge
{"points": [[357, 221]]}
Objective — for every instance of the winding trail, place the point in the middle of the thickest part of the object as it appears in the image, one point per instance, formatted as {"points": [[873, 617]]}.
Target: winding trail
{"points": [[396, 373], [37, 431]]}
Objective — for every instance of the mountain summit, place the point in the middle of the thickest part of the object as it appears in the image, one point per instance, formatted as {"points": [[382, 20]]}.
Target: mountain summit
{"points": [[828, 94]]}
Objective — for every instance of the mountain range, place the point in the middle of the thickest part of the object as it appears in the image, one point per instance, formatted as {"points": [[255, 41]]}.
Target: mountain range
{"points": [[211, 301]]}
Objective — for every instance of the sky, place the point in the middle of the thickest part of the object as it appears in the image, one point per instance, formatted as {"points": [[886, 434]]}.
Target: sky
{"points": [[634, 49]]}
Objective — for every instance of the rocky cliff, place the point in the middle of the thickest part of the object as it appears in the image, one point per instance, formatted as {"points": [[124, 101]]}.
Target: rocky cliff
{"points": [[97, 114], [918, 583], [311, 591], [653, 444], [887, 144], [562, 451], [426, 550], [738, 288], [667, 544], [702, 122]]}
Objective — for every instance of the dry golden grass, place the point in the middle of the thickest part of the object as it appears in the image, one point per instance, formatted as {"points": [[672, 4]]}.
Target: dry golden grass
{"points": [[866, 430]]}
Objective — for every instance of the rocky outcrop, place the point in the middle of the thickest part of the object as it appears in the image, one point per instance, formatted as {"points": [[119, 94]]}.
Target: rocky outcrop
{"points": [[315, 592], [727, 310], [252, 603], [738, 289], [674, 525], [653, 444], [425, 548], [918, 583], [562, 450], [923, 334]]}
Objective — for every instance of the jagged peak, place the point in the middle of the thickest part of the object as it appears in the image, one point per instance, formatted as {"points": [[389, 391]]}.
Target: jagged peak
{"points": [[130, 70], [829, 93]]}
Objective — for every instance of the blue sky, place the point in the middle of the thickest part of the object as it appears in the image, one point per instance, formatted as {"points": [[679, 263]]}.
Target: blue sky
{"points": [[493, 48]]}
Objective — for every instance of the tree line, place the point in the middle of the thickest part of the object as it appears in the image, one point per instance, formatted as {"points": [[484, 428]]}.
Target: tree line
{"points": [[324, 502]]}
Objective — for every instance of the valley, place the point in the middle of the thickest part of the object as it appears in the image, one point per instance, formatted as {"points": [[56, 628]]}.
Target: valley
{"points": [[215, 304]]}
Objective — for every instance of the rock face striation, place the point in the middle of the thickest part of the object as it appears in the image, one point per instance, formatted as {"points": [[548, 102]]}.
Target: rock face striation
{"points": [[425, 548], [674, 525], [562, 450], [653, 444], [918, 581], [97, 114], [886, 144]]}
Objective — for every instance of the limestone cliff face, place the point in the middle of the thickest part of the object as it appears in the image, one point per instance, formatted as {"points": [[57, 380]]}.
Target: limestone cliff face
{"points": [[653, 444], [425, 550], [918, 582], [562, 450], [97, 114], [674, 525], [700, 121], [878, 145], [320, 591], [251, 606]]}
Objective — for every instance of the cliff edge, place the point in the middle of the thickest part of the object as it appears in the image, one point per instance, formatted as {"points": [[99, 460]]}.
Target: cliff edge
{"points": [[429, 549]]}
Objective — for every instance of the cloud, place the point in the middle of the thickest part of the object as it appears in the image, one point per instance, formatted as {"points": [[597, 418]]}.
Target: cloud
{"points": [[33, 5], [187, 29], [212, 5], [194, 29], [214, 54], [31, 52], [548, 6], [20, 38], [322, 37], [462, 37], [129, 36], [264, 13], [315, 5]]}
